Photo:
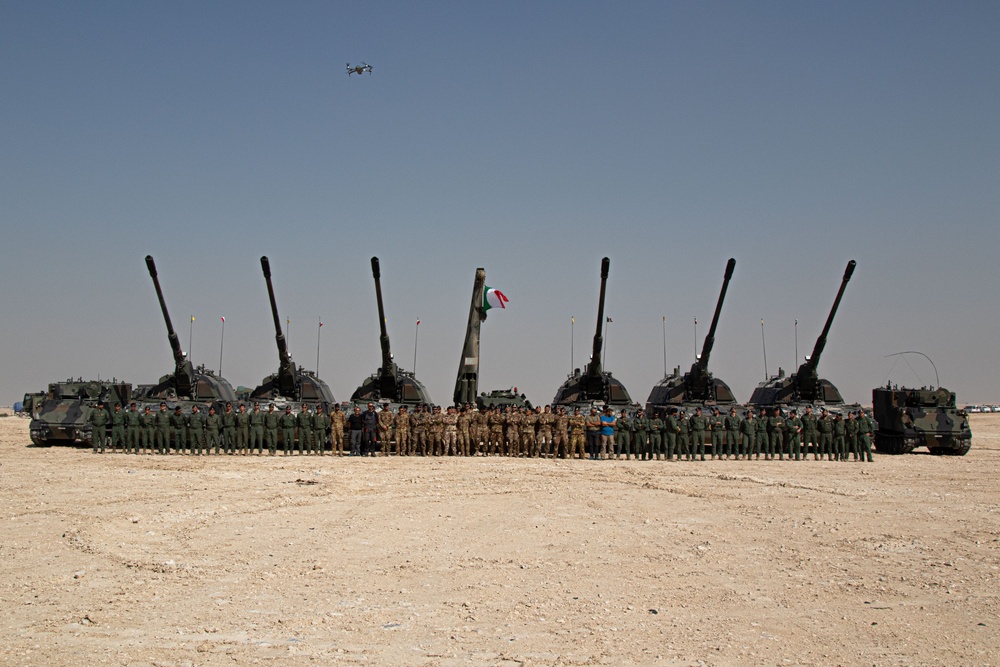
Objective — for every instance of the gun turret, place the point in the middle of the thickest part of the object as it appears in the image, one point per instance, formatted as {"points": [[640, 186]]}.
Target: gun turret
{"points": [[595, 380], [698, 388], [807, 377], [387, 375], [467, 384], [183, 368], [286, 368]]}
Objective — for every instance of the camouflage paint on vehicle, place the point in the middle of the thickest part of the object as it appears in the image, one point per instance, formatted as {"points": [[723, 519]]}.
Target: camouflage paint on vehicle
{"points": [[911, 418], [63, 417]]}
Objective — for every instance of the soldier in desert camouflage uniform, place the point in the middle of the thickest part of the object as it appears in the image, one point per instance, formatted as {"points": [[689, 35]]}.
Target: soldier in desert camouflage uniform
{"points": [[544, 437], [577, 434], [560, 435]]}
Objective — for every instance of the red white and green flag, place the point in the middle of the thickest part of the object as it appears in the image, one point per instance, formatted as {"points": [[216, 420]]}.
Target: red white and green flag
{"points": [[494, 298]]}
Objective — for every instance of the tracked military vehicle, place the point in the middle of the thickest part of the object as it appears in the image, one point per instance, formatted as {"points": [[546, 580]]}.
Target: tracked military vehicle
{"points": [[187, 385], [62, 415], [291, 385], [595, 387], [697, 387], [390, 383], [804, 387], [467, 383], [911, 418]]}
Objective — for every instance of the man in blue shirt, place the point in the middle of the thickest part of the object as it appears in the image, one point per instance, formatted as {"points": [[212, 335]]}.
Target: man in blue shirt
{"points": [[607, 434]]}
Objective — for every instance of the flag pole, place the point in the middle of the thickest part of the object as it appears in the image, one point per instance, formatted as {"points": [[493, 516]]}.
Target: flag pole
{"points": [[696, 339], [222, 342], [190, 335], [416, 335], [796, 364], [288, 332], [607, 321], [763, 347], [572, 327], [664, 345], [319, 330]]}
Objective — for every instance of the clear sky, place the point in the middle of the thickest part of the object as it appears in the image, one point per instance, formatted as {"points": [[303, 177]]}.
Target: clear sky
{"points": [[528, 138]]}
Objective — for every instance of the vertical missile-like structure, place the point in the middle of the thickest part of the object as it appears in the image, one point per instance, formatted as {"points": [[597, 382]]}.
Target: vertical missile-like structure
{"points": [[467, 383]]}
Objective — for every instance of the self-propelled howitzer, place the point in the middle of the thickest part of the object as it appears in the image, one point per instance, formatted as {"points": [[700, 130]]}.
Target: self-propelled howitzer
{"points": [[186, 383], [698, 386], [467, 383], [595, 385], [389, 383], [290, 383], [805, 386]]}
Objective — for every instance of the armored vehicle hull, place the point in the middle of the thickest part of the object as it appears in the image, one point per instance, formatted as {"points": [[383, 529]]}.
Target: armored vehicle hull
{"points": [[911, 418], [62, 416]]}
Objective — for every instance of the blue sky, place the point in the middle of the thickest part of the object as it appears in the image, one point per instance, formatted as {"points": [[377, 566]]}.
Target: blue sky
{"points": [[531, 139]]}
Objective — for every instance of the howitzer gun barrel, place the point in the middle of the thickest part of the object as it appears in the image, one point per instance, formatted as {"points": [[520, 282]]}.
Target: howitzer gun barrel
{"points": [[183, 371], [383, 334], [813, 361], [595, 367], [286, 371], [706, 348]]}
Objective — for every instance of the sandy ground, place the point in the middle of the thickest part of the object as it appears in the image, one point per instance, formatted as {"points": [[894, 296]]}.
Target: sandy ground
{"points": [[146, 560]]}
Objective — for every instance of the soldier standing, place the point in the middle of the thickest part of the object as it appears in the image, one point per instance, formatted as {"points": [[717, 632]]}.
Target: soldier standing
{"points": [[623, 435], [825, 427], [640, 436], [256, 430], [748, 431], [133, 429], [794, 426], [761, 441], [732, 426], [449, 439], [494, 422], [338, 421], [715, 423], [851, 426], [163, 430], [242, 429], [545, 421], [464, 425], [385, 419], [149, 429], [118, 418], [480, 431], [99, 427], [418, 422], [698, 424], [655, 438], [560, 433], [304, 421], [577, 424], [288, 422], [529, 422], [272, 421], [229, 429], [608, 425], [196, 431], [321, 423], [178, 424], [672, 429], [404, 447], [593, 423], [865, 427], [839, 437], [213, 426], [810, 433], [514, 431], [776, 425]]}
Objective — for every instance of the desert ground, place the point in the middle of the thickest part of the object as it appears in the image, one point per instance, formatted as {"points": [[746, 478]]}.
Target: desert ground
{"points": [[182, 561]]}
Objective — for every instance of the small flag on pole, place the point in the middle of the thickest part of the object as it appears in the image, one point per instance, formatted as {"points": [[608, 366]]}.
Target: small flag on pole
{"points": [[418, 323], [223, 320], [610, 320], [494, 298], [192, 318]]}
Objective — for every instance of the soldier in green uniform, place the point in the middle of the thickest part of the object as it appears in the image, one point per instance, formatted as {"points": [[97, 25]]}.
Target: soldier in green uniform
{"points": [[229, 429], [810, 433], [671, 430], [305, 422], [684, 450], [851, 426], [256, 430], [99, 427], [196, 431], [149, 429], [577, 425], [715, 425], [133, 427], [287, 423], [732, 426], [272, 421], [824, 426], [623, 435], [321, 424], [163, 430], [178, 425], [794, 426], [698, 424], [761, 441], [840, 437], [776, 429], [242, 429], [213, 429], [865, 428], [748, 436], [118, 417], [655, 437], [640, 436]]}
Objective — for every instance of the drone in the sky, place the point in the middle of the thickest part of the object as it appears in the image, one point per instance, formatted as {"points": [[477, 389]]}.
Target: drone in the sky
{"points": [[359, 69]]}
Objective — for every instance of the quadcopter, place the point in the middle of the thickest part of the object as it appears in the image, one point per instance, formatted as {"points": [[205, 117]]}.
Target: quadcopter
{"points": [[359, 69]]}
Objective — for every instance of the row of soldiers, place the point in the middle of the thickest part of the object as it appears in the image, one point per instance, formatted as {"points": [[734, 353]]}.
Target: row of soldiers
{"points": [[466, 431]]}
